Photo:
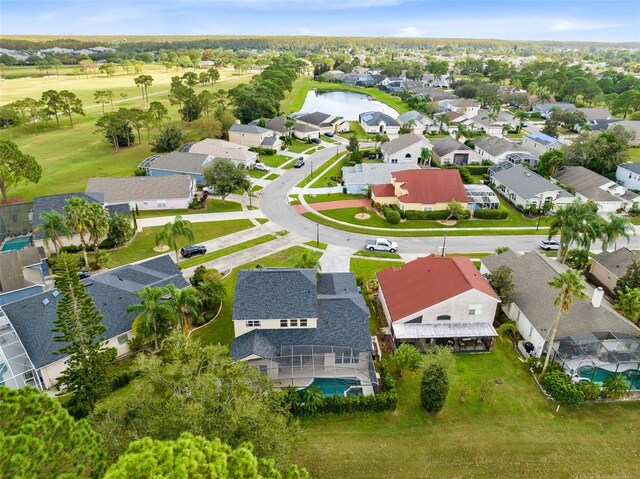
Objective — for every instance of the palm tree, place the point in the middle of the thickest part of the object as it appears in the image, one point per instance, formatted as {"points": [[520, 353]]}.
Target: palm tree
{"points": [[97, 224], [577, 222], [443, 119], [426, 154], [628, 303], [312, 397], [172, 232], [185, 303], [155, 311], [289, 124], [307, 261], [76, 214], [617, 227], [521, 116], [570, 284], [52, 226]]}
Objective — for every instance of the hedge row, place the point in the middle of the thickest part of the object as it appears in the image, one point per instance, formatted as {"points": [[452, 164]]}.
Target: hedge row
{"points": [[386, 401], [427, 215], [263, 151], [487, 214], [477, 169], [561, 388]]}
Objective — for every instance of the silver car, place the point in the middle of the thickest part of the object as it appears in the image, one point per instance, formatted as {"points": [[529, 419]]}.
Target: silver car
{"points": [[550, 245]]}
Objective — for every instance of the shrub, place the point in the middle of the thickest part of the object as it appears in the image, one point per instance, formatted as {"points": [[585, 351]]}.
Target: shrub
{"points": [[427, 215], [406, 357], [121, 379], [169, 138], [106, 244], [591, 390], [392, 217], [615, 386], [561, 388], [487, 214], [465, 175], [72, 248], [535, 364], [434, 388], [477, 169], [263, 151], [140, 172]]}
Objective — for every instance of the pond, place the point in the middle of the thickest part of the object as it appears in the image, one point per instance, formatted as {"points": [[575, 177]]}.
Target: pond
{"points": [[347, 104]]}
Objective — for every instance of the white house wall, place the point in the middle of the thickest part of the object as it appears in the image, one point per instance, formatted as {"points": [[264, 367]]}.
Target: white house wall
{"points": [[525, 328], [240, 327]]}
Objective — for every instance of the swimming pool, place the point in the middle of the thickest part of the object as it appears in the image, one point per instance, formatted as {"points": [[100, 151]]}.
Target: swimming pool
{"points": [[16, 243], [339, 386], [599, 375]]}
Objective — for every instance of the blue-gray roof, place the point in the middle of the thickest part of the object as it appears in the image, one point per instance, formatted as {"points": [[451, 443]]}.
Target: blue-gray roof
{"points": [[373, 118], [633, 167], [240, 128], [341, 311], [542, 138], [57, 203], [112, 291]]}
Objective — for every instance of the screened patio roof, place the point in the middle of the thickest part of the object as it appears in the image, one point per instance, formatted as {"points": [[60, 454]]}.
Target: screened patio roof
{"points": [[16, 369], [600, 348], [444, 330]]}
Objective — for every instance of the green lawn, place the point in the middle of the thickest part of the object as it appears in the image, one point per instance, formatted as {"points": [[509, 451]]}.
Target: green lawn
{"points": [[187, 263], [318, 198], [356, 129], [318, 171], [318, 245], [326, 178], [272, 177], [274, 161], [257, 173], [367, 268], [515, 433], [299, 146], [634, 154], [220, 330], [142, 246], [213, 206], [377, 254]]}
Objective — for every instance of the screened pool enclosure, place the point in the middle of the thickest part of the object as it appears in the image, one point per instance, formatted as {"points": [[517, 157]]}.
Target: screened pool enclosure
{"points": [[597, 356]]}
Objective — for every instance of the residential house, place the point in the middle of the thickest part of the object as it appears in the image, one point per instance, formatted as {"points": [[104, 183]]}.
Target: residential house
{"points": [[589, 185], [25, 325], [221, 149], [418, 122], [522, 158], [405, 149], [449, 151], [545, 109], [421, 190], [439, 301], [378, 122], [463, 106], [254, 136], [440, 81], [492, 126], [332, 75], [628, 175], [481, 197], [174, 192], [178, 163], [323, 121], [532, 305], [632, 126], [593, 116], [358, 178], [539, 143], [434, 93], [526, 189], [306, 329], [451, 123], [304, 131], [496, 149], [609, 266], [22, 273]]}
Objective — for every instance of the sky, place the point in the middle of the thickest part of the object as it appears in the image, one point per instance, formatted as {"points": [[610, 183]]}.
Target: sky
{"points": [[581, 20]]}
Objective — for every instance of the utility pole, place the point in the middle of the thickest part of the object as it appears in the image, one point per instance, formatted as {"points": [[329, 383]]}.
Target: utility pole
{"points": [[317, 235], [444, 244]]}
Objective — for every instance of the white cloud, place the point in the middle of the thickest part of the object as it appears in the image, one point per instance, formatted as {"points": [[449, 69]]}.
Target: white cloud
{"points": [[574, 25], [408, 32]]}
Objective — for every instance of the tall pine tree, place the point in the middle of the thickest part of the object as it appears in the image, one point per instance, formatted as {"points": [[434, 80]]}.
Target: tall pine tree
{"points": [[79, 327]]}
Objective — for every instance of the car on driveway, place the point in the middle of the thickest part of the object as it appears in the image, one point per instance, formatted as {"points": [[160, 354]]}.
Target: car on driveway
{"points": [[549, 245], [329, 134], [299, 163], [261, 167], [315, 141], [192, 250]]}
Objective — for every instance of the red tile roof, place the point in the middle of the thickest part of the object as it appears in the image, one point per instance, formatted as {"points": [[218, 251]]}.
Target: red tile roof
{"points": [[431, 186], [425, 282], [383, 190]]}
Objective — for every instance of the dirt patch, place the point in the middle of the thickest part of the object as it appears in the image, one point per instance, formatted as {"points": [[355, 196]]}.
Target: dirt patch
{"points": [[362, 216], [161, 249], [448, 222]]}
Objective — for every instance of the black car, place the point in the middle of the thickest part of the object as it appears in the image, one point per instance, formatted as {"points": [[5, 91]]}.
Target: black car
{"points": [[299, 163], [372, 156], [192, 250], [84, 274], [315, 140]]}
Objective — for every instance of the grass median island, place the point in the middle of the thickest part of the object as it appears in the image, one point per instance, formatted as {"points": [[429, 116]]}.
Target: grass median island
{"points": [[220, 330], [213, 206], [322, 197], [196, 260], [377, 254], [320, 172], [320, 245], [144, 242], [514, 433]]}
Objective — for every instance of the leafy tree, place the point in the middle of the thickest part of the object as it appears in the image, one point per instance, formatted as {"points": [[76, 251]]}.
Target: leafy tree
{"points": [[308, 261], [120, 231], [138, 120], [107, 68], [225, 177], [186, 305], [76, 215], [631, 278], [103, 97], [550, 127], [172, 232], [577, 222], [52, 226], [628, 303], [116, 127], [201, 390], [570, 285], [69, 104], [16, 166], [434, 387], [52, 103], [79, 328], [617, 227], [626, 102], [578, 259], [209, 286], [457, 211], [599, 151], [615, 386], [214, 75], [194, 456], [406, 358], [144, 82], [501, 280], [169, 138], [156, 319], [550, 162], [157, 112], [31, 110], [40, 439], [190, 78]]}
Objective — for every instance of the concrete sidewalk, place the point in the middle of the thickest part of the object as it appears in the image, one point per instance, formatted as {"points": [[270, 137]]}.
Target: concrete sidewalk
{"points": [[202, 218], [336, 259], [334, 205]]}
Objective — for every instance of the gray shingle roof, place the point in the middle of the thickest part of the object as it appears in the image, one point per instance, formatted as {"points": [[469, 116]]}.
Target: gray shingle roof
{"points": [[524, 182], [447, 145], [374, 118], [342, 315], [415, 116], [141, 188], [373, 173], [180, 162], [402, 142], [316, 118], [533, 295], [588, 183], [12, 264], [33, 321], [496, 146], [255, 129], [633, 167], [543, 139], [617, 261], [57, 203]]}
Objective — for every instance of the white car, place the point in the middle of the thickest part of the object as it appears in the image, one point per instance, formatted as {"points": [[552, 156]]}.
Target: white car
{"points": [[550, 245], [381, 245], [261, 167], [208, 190]]}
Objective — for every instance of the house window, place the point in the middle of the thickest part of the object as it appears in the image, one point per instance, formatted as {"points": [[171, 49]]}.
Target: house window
{"points": [[123, 339], [162, 203], [252, 324], [394, 160], [284, 323], [293, 323], [303, 323], [408, 155], [475, 310], [262, 369], [443, 317], [428, 208]]}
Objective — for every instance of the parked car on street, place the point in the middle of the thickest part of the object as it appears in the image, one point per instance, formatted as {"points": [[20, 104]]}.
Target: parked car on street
{"points": [[299, 163], [261, 167], [84, 274], [381, 245], [550, 245], [192, 250]]}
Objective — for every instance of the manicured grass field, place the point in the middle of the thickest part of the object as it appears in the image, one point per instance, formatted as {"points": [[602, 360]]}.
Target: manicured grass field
{"points": [[257, 173], [142, 246], [187, 263], [299, 146], [320, 172], [213, 206], [377, 254], [318, 198], [220, 330], [326, 178], [319, 245], [514, 433], [357, 130], [367, 268], [274, 161], [634, 154]]}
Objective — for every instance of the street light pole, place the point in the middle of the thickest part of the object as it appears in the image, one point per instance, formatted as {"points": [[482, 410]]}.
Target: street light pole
{"points": [[444, 244], [311, 168], [317, 235]]}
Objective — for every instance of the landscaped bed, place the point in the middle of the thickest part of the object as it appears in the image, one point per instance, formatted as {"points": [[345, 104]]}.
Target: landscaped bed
{"points": [[213, 206]]}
